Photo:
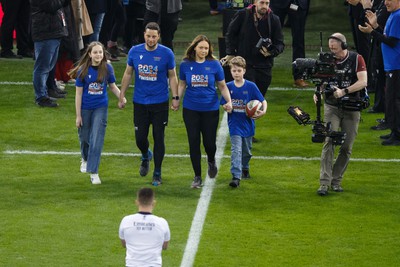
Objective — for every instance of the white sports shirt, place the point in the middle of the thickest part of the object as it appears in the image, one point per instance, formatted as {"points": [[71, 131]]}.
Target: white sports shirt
{"points": [[144, 235]]}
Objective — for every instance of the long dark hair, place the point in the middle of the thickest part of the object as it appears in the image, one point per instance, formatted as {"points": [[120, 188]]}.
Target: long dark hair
{"points": [[190, 54], [83, 64]]}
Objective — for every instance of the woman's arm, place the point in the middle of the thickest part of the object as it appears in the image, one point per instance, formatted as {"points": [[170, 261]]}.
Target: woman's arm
{"points": [[78, 106]]}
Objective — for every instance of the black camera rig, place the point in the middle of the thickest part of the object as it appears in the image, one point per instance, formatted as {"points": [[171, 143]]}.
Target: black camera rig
{"points": [[322, 71]]}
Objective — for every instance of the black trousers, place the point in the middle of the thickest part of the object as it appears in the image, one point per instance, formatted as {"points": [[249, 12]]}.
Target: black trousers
{"points": [[16, 16], [261, 77], [143, 117], [201, 124], [168, 24], [134, 27], [392, 112], [297, 21], [119, 20]]}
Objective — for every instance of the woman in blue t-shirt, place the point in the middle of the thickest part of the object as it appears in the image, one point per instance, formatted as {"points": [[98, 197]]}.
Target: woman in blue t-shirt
{"points": [[92, 74], [198, 74]]}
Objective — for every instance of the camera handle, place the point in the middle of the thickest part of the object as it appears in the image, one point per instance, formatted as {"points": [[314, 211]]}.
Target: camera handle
{"points": [[318, 104]]}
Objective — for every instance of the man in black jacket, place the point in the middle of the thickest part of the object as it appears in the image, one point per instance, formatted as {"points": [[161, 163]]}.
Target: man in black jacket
{"points": [[255, 34], [296, 11], [49, 25]]}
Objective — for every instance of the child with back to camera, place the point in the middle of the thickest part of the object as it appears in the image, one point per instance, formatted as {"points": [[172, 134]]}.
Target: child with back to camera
{"points": [[92, 74], [241, 127]]}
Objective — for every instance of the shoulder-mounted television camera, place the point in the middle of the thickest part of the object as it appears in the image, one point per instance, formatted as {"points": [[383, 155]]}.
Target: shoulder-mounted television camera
{"points": [[317, 70]]}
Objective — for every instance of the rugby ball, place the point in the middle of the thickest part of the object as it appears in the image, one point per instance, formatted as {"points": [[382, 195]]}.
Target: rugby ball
{"points": [[252, 107]]}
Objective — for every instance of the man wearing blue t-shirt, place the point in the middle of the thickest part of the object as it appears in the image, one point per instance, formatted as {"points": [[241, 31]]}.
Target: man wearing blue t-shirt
{"points": [[390, 40], [154, 67]]}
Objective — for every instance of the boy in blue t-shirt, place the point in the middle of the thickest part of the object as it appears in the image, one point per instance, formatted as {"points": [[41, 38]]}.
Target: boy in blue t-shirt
{"points": [[241, 127]]}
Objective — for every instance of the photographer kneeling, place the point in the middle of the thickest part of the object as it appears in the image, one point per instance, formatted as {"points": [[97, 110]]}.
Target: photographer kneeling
{"points": [[342, 110]]}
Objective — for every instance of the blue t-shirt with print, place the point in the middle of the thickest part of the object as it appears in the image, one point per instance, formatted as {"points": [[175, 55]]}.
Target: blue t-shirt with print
{"points": [[151, 73], [201, 94], [391, 55], [94, 93], [238, 122]]}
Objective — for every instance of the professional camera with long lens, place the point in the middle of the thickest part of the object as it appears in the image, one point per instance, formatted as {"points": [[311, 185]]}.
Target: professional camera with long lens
{"points": [[323, 68]]}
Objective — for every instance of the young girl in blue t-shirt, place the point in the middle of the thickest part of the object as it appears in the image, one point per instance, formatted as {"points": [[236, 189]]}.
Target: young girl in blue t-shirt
{"points": [[92, 74]]}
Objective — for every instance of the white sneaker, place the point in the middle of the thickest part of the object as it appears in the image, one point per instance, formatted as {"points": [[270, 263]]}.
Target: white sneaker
{"points": [[83, 166], [95, 179]]}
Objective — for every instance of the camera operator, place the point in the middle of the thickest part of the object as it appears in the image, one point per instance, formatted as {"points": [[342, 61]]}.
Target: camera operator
{"points": [[391, 60], [255, 34], [351, 78]]}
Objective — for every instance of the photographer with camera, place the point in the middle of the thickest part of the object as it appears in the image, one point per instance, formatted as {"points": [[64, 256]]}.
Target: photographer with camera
{"points": [[341, 110], [255, 34]]}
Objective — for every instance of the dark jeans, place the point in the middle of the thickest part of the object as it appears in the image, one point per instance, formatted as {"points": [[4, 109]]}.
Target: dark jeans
{"points": [[201, 124], [143, 117], [46, 54]]}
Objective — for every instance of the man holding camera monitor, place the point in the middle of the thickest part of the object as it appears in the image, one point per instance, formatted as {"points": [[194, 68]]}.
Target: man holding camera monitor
{"points": [[255, 34], [341, 110]]}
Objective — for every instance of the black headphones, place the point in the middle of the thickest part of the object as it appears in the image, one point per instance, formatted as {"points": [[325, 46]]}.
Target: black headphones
{"points": [[343, 43]]}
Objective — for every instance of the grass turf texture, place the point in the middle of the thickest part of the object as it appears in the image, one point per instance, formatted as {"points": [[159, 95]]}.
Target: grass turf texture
{"points": [[52, 215]]}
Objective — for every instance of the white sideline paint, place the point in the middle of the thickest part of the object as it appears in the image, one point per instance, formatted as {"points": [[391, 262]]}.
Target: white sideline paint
{"points": [[204, 201], [112, 154]]}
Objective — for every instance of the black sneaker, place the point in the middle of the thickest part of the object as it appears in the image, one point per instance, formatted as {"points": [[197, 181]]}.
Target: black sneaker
{"points": [[234, 183], [323, 190], [52, 93], [9, 54], [27, 54], [245, 174], [157, 180], [60, 92], [392, 141], [197, 182], [212, 169], [47, 102], [385, 136], [381, 126], [144, 166]]}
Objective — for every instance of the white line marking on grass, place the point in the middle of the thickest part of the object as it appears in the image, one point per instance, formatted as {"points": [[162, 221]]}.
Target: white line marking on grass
{"points": [[204, 201], [112, 154]]}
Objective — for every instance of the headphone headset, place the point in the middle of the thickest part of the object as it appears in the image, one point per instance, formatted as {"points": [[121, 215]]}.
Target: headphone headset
{"points": [[342, 43]]}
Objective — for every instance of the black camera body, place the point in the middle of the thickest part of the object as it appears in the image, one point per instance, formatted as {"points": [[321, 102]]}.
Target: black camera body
{"points": [[263, 42], [316, 69], [353, 102]]}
